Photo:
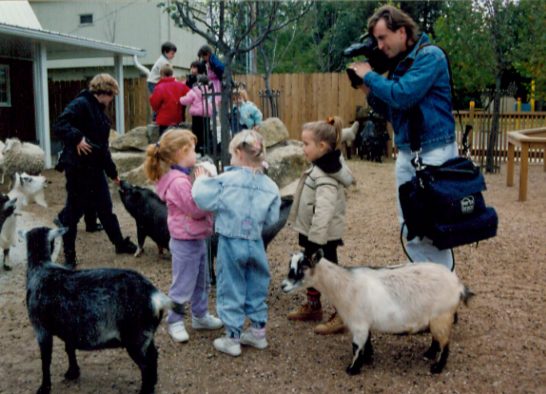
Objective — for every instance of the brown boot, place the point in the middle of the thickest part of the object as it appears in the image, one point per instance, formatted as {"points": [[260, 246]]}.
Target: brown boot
{"points": [[306, 312], [334, 325]]}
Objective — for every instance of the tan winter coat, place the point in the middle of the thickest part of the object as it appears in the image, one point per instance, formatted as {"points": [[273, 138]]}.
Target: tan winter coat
{"points": [[318, 211]]}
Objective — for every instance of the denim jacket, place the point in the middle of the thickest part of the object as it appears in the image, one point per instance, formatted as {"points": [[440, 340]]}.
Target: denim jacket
{"points": [[242, 202], [426, 83]]}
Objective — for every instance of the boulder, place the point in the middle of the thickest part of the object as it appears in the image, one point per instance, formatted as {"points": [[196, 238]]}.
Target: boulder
{"points": [[136, 139], [286, 162], [126, 161], [153, 133], [137, 176], [289, 190], [114, 135], [273, 131]]}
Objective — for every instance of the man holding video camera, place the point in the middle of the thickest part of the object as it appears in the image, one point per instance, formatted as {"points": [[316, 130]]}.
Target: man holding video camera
{"points": [[417, 87]]}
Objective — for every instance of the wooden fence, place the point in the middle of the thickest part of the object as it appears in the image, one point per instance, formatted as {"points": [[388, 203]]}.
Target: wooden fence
{"points": [[304, 98]]}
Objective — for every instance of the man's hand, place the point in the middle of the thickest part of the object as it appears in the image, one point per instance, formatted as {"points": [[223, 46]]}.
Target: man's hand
{"points": [[83, 147], [361, 68], [116, 180]]}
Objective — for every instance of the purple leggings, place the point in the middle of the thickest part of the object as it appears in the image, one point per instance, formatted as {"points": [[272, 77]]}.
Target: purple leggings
{"points": [[190, 277]]}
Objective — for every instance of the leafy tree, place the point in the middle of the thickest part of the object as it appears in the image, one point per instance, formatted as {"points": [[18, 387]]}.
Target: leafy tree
{"points": [[226, 26], [532, 52], [481, 37]]}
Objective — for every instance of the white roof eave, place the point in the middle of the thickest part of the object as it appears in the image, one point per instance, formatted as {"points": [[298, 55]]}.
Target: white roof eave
{"points": [[66, 39]]}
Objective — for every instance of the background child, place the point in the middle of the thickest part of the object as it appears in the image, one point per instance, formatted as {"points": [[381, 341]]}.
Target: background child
{"points": [[244, 200], [188, 225], [168, 50], [201, 115], [250, 117], [165, 99], [318, 212], [196, 68], [215, 68]]}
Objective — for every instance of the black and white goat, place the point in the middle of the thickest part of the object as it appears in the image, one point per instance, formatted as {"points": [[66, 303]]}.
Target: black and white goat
{"points": [[90, 310], [27, 189], [404, 299]]}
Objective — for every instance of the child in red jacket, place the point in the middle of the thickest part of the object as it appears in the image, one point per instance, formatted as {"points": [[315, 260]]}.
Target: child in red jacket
{"points": [[165, 99]]}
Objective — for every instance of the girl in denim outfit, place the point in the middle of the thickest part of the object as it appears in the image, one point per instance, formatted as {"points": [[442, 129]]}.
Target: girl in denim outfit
{"points": [[318, 211], [188, 225], [243, 200]]}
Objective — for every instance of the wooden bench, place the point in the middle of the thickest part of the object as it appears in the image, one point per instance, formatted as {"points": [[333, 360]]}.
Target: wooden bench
{"points": [[525, 139]]}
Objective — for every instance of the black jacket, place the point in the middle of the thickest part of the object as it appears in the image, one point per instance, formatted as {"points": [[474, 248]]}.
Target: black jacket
{"points": [[85, 117]]}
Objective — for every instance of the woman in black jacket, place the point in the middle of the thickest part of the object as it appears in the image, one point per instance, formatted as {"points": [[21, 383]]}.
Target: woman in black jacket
{"points": [[84, 129]]}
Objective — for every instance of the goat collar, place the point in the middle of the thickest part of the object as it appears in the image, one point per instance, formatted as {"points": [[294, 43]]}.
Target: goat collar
{"points": [[330, 162]]}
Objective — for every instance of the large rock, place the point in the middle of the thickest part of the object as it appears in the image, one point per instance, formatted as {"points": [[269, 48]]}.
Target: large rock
{"points": [[286, 162], [126, 161], [273, 131], [137, 176], [136, 139], [114, 135]]}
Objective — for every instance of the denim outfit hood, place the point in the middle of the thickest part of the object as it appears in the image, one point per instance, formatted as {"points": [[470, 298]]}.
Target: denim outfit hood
{"points": [[243, 202], [185, 220], [419, 79]]}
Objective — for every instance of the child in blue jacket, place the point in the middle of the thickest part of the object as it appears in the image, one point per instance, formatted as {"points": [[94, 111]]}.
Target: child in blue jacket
{"points": [[243, 200], [246, 116]]}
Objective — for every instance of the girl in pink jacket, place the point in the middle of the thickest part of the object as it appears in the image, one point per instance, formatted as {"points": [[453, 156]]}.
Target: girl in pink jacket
{"points": [[200, 113], [188, 225]]}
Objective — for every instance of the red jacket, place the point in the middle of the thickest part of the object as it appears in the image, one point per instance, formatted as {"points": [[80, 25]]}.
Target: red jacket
{"points": [[166, 101]]}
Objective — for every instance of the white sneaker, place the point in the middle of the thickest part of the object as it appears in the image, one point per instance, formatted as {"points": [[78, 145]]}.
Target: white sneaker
{"points": [[248, 338], [227, 345], [178, 332], [207, 322]]}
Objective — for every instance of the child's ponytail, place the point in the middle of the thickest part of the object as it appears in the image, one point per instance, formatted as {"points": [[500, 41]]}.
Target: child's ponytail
{"points": [[161, 155], [328, 131]]}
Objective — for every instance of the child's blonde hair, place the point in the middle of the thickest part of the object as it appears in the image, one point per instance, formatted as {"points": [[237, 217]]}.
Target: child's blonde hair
{"points": [[166, 70], [251, 143], [161, 155], [328, 131], [243, 94]]}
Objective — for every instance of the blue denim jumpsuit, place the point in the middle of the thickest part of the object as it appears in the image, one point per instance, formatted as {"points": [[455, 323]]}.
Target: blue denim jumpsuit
{"points": [[242, 202], [422, 78]]}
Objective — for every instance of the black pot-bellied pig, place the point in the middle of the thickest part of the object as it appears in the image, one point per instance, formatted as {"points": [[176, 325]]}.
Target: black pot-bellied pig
{"points": [[91, 309], [150, 214], [403, 299]]}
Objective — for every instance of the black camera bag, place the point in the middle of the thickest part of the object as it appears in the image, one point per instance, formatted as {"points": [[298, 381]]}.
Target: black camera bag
{"points": [[445, 203]]}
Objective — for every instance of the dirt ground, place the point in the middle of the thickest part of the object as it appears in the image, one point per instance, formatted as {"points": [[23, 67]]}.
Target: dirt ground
{"points": [[498, 345]]}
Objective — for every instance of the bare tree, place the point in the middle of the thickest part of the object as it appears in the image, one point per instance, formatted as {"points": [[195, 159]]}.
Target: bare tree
{"points": [[225, 26]]}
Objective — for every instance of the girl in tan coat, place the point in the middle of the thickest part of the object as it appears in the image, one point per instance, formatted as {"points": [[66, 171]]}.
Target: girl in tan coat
{"points": [[318, 212]]}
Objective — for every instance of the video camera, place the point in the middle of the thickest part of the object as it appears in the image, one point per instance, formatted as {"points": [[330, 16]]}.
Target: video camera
{"points": [[367, 47]]}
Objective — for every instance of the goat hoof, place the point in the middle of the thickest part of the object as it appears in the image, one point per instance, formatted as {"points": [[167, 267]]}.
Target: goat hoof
{"points": [[139, 252], [430, 354], [72, 374], [352, 370], [44, 390], [436, 368], [7, 267]]}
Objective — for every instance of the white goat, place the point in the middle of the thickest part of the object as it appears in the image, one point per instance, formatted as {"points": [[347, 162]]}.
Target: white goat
{"points": [[27, 189], [21, 157], [348, 135], [404, 299]]}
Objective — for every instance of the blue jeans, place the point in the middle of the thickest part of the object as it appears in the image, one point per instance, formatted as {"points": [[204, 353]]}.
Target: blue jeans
{"points": [[243, 283], [422, 250], [151, 87]]}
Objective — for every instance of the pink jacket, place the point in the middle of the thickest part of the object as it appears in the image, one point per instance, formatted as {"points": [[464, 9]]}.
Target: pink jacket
{"points": [[194, 99], [185, 220]]}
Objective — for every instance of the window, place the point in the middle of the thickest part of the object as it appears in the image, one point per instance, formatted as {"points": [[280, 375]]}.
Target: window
{"points": [[86, 19], [5, 94]]}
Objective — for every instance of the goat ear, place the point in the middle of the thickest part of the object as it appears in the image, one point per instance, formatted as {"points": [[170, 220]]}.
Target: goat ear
{"points": [[316, 257], [58, 232]]}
